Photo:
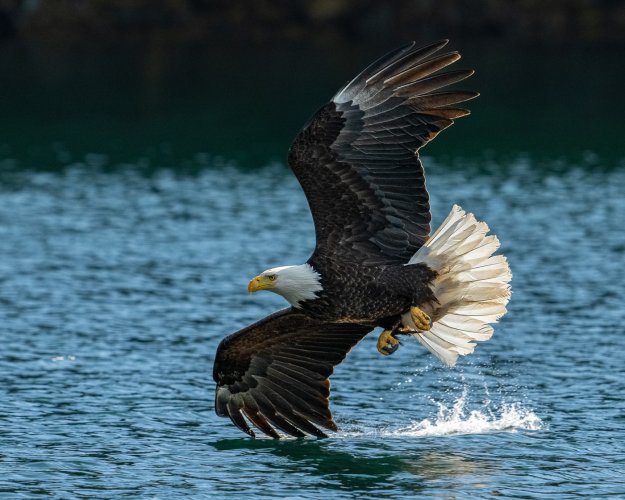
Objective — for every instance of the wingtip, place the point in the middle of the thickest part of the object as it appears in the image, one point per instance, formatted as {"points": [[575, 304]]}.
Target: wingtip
{"points": [[442, 42], [332, 426], [435, 46]]}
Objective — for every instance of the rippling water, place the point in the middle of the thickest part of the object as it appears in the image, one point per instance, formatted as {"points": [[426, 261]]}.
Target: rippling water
{"points": [[117, 285]]}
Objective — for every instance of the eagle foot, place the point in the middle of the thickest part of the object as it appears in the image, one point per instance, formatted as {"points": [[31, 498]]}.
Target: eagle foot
{"points": [[421, 320], [387, 343]]}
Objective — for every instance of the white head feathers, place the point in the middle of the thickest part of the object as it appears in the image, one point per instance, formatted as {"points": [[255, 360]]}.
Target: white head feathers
{"points": [[295, 283]]}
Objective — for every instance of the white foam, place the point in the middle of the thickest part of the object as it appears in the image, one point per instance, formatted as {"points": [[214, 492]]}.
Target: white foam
{"points": [[57, 359], [457, 420]]}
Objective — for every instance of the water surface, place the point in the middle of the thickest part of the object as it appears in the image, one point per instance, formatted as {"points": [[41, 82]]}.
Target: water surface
{"points": [[117, 287]]}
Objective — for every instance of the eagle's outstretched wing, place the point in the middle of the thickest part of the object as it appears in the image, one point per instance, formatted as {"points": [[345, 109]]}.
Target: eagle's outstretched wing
{"points": [[275, 372], [357, 159]]}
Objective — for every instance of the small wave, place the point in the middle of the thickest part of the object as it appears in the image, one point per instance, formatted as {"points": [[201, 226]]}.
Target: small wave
{"points": [[457, 420]]}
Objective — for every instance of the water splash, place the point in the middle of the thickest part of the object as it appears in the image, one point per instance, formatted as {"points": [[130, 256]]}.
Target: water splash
{"points": [[457, 420]]}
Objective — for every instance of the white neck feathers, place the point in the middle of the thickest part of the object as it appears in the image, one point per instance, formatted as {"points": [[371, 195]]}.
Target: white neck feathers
{"points": [[296, 283]]}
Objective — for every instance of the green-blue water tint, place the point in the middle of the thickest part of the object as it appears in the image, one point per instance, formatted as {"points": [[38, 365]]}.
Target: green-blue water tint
{"points": [[131, 222], [163, 104], [118, 286]]}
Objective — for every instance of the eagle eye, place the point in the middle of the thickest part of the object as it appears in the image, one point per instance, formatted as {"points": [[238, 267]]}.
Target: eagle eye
{"points": [[272, 277]]}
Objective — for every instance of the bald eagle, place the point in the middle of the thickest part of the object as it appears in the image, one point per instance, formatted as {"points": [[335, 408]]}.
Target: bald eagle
{"points": [[375, 263]]}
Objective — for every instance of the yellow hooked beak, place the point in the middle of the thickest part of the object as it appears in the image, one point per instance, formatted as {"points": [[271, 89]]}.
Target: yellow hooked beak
{"points": [[260, 283]]}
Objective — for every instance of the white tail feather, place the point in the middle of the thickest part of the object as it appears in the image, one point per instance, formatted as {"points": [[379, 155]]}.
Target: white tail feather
{"points": [[472, 286]]}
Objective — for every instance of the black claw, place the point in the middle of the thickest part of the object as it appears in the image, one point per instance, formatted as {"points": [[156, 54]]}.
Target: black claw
{"points": [[391, 349]]}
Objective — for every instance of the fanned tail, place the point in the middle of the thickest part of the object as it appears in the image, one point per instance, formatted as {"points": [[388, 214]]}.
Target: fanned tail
{"points": [[472, 286]]}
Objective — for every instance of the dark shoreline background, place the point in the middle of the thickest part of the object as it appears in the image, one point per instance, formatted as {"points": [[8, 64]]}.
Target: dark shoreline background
{"points": [[68, 22], [182, 82], [180, 104]]}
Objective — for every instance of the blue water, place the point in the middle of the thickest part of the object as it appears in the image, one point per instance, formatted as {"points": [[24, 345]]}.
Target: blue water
{"points": [[118, 282]]}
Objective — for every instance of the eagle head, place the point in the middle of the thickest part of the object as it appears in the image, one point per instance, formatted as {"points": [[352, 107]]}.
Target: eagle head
{"points": [[294, 283]]}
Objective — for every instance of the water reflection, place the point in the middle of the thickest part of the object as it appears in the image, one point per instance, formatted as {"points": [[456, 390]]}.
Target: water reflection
{"points": [[370, 468]]}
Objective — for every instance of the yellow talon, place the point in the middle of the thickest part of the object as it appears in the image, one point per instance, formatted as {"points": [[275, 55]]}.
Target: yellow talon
{"points": [[421, 320], [387, 344]]}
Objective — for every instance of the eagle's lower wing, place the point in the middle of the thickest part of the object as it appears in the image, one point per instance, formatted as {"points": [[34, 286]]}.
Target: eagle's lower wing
{"points": [[275, 372], [357, 158]]}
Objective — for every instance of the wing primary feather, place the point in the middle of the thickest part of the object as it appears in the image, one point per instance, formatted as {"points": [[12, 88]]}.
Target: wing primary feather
{"points": [[237, 419], [301, 422], [448, 113], [284, 408], [343, 94], [271, 414], [284, 425], [421, 70], [440, 99], [312, 391], [278, 415], [413, 55], [274, 391], [433, 83], [259, 421], [298, 418]]}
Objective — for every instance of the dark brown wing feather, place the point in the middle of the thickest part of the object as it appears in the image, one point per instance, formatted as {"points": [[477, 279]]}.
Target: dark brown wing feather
{"points": [[275, 373], [357, 159]]}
